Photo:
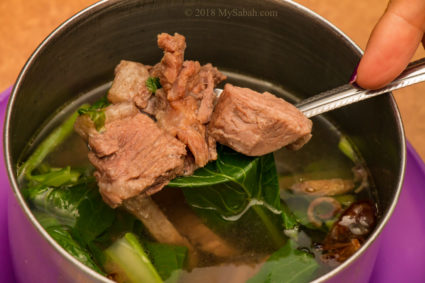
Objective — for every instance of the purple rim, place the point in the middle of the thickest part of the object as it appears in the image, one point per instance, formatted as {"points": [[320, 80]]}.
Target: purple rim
{"points": [[6, 267]]}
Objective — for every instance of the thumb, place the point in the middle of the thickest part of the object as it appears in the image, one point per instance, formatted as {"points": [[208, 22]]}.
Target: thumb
{"points": [[392, 44]]}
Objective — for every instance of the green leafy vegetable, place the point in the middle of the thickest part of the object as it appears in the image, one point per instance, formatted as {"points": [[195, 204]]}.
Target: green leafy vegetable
{"points": [[79, 206], [234, 184], [128, 261], [47, 146], [167, 259], [96, 113], [123, 223], [288, 264], [65, 240], [57, 177], [75, 214], [153, 84]]}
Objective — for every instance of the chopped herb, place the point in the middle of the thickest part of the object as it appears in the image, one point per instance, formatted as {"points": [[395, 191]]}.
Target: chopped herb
{"points": [[153, 84], [96, 113]]}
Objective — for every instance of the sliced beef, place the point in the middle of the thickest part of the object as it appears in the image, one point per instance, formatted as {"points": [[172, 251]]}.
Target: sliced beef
{"points": [[169, 67], [256, 124], [133, 156], [85, 127], [130, 84], [185, 103], [180, 120], [184, 81], [208, 78], [156, 103]]}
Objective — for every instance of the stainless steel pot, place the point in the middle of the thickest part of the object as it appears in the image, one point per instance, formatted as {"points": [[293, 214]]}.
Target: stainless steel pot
{"points": [[279, 42]]}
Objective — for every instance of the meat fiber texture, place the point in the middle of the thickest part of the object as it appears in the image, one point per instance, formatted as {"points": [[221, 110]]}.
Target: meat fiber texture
{"points": [[256, 124], [132, 155], [150, 138]]}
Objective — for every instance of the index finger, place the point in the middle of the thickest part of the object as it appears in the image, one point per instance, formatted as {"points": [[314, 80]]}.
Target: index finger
{"points": [[392, 44]]}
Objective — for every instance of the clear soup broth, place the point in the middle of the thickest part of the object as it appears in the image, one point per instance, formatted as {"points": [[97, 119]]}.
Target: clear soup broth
{"points": [[300, 234]]}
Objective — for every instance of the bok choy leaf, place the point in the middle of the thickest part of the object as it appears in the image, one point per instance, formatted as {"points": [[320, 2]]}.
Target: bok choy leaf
{"points": [[79, 206], [288, 264], [63, 237], [57, 177], [235, 184]]}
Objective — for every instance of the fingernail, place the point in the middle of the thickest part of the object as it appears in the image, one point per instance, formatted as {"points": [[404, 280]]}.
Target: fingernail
{"points": [[353, 77]]}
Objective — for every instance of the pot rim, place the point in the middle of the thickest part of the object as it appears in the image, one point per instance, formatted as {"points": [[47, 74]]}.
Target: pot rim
{"points": [[92, 9]]}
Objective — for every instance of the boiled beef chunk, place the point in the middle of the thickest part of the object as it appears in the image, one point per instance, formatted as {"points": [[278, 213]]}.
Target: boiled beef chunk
{"points": [[209, 76], [130, 84], [183, 83], [179, 119], [134, 156], [85, 127], [256, 124], [184, 105], [150, 137], [171, 63]]}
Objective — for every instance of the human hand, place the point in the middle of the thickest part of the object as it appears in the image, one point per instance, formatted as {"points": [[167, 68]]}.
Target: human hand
{"points": [[392, 43]]}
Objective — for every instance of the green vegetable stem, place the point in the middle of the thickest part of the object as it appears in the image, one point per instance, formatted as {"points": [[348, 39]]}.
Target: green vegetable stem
{"points": [[47, 146], [347, 149], [128, 261]]}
